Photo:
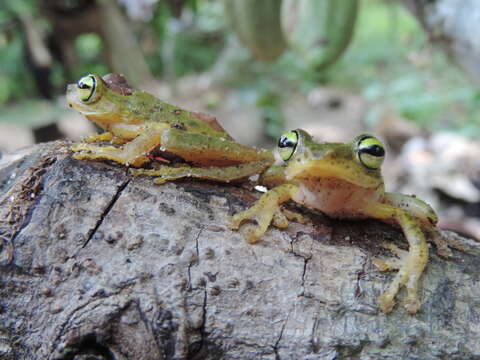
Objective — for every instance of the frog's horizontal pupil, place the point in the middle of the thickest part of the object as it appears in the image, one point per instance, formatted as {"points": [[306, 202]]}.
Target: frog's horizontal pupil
{"points": [[83, 85], [288, 140], [284, 142], [374, 150], [287, 144]]}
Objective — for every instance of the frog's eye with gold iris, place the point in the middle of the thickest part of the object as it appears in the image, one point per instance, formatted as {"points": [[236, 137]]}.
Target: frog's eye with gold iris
{"points": [[287, 144], [86, 88], [370, 152]]}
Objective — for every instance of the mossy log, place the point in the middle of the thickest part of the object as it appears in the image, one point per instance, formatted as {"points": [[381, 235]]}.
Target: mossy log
{"points": [[96, 264]]}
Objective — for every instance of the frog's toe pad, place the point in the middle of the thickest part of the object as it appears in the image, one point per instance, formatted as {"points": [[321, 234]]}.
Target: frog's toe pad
{"points": [[252, 233], [385, 303], [279, 220], [412, 305], [233, 223]]}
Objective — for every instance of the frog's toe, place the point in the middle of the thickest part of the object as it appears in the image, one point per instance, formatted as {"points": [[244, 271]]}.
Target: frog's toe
{"points": [[386, 303], [412, 305], [279, 220], [443, 244], [252, 233], [235, 221], [387, 264]]}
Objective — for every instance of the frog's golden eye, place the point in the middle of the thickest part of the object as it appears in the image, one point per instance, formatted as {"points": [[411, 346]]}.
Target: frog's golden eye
{"points": [[287, 144], [370, 152], [86, 88]]}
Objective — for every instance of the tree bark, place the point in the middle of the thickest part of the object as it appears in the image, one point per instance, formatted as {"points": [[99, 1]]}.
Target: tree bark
{"points": [[454, 25], [96, 264]]}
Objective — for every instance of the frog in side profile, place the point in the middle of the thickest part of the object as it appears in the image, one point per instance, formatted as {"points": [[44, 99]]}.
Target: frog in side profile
{"points": [[344, 181], [138, 125]]}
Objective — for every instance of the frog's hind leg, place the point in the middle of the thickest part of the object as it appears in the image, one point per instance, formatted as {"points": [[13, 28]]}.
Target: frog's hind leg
{"points": [[411, 265], [133, 153], [222, 174], [106, 136]]}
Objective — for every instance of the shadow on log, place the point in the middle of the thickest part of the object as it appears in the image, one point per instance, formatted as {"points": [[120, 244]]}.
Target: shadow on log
{"points": [[98, 265]]}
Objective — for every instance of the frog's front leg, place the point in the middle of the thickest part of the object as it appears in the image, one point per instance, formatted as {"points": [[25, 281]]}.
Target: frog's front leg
{"points": [[411, 265], [427, 215], [263, 211], [133, 153]]}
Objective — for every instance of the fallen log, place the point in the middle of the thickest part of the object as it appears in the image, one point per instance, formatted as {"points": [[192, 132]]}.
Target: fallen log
{"points": [[96, 264]]}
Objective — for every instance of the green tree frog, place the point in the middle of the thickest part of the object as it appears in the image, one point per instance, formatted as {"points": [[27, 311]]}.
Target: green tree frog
{"points": [[344, 181], [138, 124]]}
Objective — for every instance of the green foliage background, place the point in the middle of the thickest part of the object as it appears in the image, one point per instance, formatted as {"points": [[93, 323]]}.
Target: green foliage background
{"points": [[389, 62]]}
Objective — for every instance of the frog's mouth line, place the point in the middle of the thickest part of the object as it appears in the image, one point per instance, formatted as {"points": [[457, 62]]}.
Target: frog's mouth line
{"points": [[89, 110], [324, 169]]}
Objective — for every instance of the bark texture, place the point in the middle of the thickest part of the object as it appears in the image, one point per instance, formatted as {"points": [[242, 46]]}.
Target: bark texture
{"points": [[98, 265], [454, 25]]}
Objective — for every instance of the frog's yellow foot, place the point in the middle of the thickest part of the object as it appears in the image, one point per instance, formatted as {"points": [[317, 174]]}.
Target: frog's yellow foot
{"points": [[443, 243], [409, 271], [252, 232], [386, 304], [265, 209]]}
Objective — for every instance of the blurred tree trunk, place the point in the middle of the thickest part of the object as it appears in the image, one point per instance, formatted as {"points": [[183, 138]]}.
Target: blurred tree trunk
{"points": [[453, 25], [121, 48]]}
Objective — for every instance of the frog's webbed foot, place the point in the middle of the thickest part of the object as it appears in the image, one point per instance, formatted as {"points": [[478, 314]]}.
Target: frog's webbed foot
{"points": [[386, 300], [445, 243], [410, 264], [264, 212]]}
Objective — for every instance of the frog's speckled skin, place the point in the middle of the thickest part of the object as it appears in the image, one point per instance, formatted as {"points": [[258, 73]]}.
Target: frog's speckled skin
{"points": [[139, 123], [331, 178]]}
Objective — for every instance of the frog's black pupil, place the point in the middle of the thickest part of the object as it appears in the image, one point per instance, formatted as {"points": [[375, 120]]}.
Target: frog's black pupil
{"points": [[285, 142], [82, 85], [374, 150]]}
